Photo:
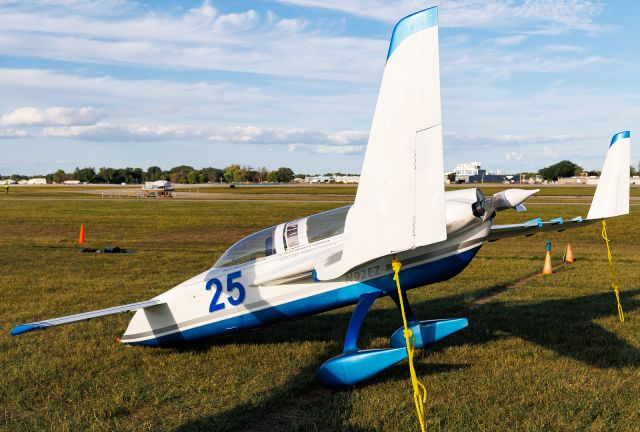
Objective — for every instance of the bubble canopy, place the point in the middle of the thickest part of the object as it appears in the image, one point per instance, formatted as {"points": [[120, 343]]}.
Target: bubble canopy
{"points": [[291, 234]]}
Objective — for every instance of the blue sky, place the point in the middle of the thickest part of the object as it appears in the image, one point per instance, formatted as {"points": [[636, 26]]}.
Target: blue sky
{"points": [[294, 82]]}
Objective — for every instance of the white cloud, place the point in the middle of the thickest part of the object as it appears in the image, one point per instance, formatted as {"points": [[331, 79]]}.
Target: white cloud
{"points": [[13, 133], [510, 40], [299, 138], [328, 149], [32, 116], [564, 48], [509, 140], [550, 16], [138, 101], [117, 132], [513, 156], [503, 64], [201, 38]]}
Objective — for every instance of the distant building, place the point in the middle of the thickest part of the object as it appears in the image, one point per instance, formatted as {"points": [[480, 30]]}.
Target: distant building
{"points": [[587, 180], [472, 173], [8, 181], [37, 181], [465, 170], [318, 179], [537, 179], [347, 179], [71, 182]]}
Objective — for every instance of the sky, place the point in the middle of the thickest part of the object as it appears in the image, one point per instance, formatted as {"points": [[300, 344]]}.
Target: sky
{"points": [[294, 82]]}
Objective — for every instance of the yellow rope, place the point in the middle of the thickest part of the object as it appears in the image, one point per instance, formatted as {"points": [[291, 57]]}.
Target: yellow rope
{"points": [[614, 276], [419, 390]]}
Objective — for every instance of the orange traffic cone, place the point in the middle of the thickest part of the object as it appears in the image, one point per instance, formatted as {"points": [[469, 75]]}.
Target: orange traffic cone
{"points": [[81, 237], [547, 269], [568, 254]]}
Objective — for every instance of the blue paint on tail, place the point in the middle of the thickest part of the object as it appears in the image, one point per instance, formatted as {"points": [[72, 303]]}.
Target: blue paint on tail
{"points": [[620, 135], [412, 24]]}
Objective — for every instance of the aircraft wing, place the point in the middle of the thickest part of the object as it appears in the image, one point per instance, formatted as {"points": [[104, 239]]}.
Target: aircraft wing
{"points": [[534, 226], [85, 316]]}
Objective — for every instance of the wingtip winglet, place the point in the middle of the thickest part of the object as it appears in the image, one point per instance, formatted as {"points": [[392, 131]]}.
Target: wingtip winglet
{"points": [[24, 328], [620, 135]]}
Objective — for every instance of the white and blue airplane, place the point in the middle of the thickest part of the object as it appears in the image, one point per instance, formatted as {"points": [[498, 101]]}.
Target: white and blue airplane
{"points": [[343, 256]]}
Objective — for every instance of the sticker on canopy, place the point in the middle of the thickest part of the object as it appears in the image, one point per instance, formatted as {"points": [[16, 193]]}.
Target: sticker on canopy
{"points": [[295, 233]]}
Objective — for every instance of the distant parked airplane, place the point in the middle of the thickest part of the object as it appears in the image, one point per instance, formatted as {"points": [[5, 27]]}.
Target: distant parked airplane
{"points": [[343, 256]]}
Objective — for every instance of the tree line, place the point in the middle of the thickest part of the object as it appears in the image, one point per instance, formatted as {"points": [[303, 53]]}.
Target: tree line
{"points": [[567, 168], [183, 174]]}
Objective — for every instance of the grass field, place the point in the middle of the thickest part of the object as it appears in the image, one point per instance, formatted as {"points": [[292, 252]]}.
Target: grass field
{"points": [[541, 353]]}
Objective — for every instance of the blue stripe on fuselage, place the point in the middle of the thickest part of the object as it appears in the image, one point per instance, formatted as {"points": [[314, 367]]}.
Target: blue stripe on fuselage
{"points": [[424, 274]]}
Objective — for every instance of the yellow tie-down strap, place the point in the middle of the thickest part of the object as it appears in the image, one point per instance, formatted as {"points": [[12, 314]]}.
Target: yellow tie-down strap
{"points": [[419, 390]]}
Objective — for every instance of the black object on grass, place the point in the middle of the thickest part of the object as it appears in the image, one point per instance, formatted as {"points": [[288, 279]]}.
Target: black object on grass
{"points": [[105, 250]]}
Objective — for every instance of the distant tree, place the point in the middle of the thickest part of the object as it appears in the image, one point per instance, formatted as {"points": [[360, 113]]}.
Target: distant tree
{"points": [[235, 174], [252, 175], [261, 175], [211, 175], [194, 177], [300, 176], [154, 173], [633, 171], [137, 176], [284, 175], [272, 177], [107, 174], [452, 177], [594, 173], [85, 175], [179, 174], [59, 176], [563, 168]]}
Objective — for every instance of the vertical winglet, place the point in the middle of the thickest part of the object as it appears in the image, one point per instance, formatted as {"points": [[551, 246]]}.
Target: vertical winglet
{"points": [[612, 194], [400, 200], [23, 328]]}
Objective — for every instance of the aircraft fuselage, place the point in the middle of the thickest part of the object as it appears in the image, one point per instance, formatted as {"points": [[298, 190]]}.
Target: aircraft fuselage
{"points": [[253, 294]]}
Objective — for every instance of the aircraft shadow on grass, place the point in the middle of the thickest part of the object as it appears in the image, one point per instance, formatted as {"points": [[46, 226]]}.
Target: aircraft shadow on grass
{"points": [[564, 325]]}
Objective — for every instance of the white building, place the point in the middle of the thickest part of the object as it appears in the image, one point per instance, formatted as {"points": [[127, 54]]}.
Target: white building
{"points": [[71, 182], [37, 181], [347, 179], [318, 179], [8, 181], [467, 169]]}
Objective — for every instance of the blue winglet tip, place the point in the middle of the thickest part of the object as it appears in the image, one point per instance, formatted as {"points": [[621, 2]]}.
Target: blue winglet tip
{"points": [[23, 328], [412, 24], [620, 135]]}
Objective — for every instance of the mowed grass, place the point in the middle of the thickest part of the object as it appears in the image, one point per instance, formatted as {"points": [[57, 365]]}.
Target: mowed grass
{"points": [[547, 353]]}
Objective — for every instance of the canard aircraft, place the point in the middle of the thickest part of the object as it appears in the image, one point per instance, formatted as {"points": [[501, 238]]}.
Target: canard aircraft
{"points": [[343, 256]]}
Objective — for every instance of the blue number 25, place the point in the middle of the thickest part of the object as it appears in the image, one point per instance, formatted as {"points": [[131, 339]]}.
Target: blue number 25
{"points": [[232, 286]]}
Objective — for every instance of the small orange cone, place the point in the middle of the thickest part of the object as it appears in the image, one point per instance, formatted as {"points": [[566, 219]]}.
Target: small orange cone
{"points": [[568, 254], [81, 237], [547, 269]]}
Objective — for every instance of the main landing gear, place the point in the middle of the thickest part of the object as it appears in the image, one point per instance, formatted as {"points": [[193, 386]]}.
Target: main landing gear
{"points": [[354, 365]]}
